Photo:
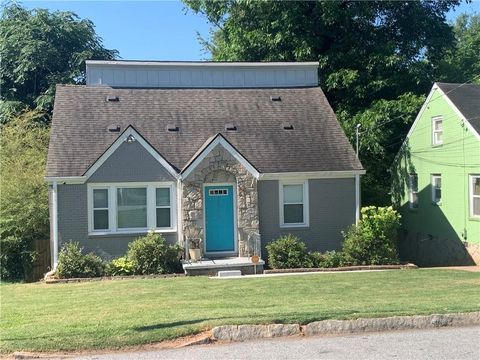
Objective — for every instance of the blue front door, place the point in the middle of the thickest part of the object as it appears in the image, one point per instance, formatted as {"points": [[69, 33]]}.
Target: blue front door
{"points": [[219, 232]]}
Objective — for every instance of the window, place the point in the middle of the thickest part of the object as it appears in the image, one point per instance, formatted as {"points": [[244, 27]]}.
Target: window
{"points": [[413, 191], [100, 209], [437, 131], [475, 196], [294, 204], [436, 188], [131, 207], [163, 208]]}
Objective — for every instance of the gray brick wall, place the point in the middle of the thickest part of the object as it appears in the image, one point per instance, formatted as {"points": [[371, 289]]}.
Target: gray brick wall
{"points": [[331, 207]]}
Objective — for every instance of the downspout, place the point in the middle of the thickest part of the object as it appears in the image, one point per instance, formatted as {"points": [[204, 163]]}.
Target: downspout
{"points": [[357, 198], [179, 216], [357, 179], [54, 229]]}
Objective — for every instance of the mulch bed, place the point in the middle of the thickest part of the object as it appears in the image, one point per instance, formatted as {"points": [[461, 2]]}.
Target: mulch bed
{"points": [[77, 280], [344, 268]]}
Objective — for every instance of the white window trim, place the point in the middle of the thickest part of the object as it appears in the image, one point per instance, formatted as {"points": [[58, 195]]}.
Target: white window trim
{"points": [[434, 120], [151, 207], [172, 194], [411, 192], [432, 182], [306, 213], [471, 195]]}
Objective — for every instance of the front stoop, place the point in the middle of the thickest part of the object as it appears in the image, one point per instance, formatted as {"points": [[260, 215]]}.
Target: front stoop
{"points": [[211, 267]]}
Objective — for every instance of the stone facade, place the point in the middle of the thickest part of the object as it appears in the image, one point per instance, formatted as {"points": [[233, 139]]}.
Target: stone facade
{"points": [[219, 166]]}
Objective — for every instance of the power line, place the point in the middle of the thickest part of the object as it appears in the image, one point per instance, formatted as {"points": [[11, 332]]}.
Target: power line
{"points": [[432, 100]]}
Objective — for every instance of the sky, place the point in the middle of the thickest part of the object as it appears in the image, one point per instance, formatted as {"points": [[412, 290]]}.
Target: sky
{"points": [[156, 30]]}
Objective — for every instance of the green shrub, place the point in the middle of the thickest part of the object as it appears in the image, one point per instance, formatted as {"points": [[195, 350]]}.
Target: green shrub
{"points": [[16, 257], [374, 240], [120, 266], [72, 263], [288, 252], [329, 259], [333, 259], [151, 254]]}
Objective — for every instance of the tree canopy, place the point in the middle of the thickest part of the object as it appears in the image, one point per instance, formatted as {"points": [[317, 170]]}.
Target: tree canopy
{"points": [[377, 60], [40, 49]]}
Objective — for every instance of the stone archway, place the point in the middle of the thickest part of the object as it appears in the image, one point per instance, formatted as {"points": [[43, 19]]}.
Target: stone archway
{"points": [[219, 166]]}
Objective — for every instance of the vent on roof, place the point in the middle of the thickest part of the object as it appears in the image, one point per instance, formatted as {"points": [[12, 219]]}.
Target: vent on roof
{"points": [[275, 98], [113, 128], [287, 126], [172, 128], [112, 98], [230, 127]]}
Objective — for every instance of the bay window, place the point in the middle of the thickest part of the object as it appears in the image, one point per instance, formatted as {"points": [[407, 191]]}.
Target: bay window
{"points": [[131, 207]]}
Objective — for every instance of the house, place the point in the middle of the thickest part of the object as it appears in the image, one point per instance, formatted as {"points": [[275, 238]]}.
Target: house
{"points": [[237, 153], [437, 179]]}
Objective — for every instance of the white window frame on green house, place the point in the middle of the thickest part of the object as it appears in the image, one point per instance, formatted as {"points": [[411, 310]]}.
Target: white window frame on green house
{"points": [[412, 192], [436, 190], [473, 196], [437, 134], [151, 207], [304, 203]]}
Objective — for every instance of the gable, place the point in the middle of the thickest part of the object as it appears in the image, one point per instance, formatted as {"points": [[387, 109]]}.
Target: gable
{"points": [[129, 153], [218, 143], [130, 162]]}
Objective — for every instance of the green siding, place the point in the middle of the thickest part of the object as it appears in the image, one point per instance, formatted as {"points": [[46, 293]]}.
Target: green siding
{"points": [[437, 234]]}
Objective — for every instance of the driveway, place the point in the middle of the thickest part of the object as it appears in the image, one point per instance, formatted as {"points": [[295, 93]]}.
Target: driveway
{"points": [[437, 344]]}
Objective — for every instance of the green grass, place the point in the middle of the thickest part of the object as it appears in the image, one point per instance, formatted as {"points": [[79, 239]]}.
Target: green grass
{"points": [[112, 314]]}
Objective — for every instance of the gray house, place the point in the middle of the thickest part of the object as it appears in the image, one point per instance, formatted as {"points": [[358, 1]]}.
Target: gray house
{"points": [[236, 153]]}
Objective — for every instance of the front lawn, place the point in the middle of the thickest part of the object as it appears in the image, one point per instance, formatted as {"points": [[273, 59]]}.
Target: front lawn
{"points": [[111, 314]]}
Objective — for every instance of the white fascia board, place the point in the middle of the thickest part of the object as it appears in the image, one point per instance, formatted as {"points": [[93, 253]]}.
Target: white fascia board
{"points": [[311, 175], [130, 131], [65, 179], [417, 119], [220, 140], [459, 113], [203, 64]]}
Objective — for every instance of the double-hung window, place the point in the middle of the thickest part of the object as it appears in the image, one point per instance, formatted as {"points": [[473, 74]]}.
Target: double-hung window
{"points": [[131, 207], [475, 196], [436, 188], [100, 211], [294, 204], [413, 191], [437, 130], [163, 208]]}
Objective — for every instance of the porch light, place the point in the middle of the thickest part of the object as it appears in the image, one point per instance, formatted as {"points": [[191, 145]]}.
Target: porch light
{"points": [[130, 139]]}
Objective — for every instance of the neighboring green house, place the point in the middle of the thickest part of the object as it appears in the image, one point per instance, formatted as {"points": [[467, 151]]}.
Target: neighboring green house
{"points": [[436, 179]]}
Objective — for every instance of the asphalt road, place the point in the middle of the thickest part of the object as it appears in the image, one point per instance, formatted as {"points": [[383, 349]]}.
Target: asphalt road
{"points": [[446, 343]]}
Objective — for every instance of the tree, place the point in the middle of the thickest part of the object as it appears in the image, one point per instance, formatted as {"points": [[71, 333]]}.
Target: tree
{"points": [[462, 63], [39, 49], [377, 59], [23, 191]]}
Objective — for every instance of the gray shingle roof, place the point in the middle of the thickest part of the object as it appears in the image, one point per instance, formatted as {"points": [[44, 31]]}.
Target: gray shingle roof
{"points": [[79, 134], [466, 98]]}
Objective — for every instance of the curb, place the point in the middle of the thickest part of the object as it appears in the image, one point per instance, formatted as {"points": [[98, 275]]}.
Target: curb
{"points": [[335, 327]]}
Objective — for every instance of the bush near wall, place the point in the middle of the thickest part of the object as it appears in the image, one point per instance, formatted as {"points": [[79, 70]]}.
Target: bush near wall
{"points": [[73, 263], [151, 254], [374, 240]]}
